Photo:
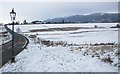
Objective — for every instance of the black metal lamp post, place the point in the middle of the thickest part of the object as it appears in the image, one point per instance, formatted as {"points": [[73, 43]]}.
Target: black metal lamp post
{"points": [[13, 15]]}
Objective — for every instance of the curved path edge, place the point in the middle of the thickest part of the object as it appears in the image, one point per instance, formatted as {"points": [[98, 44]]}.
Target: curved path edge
{"points": [[20, 43]]}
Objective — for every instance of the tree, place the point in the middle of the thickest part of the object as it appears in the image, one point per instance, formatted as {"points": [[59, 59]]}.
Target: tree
{"points": [[17, 23], [24, 22], [118, 26], [63, 21], [95, 26]]}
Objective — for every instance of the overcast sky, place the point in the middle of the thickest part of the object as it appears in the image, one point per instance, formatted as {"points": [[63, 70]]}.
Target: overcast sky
{"points": [[45, 10]]}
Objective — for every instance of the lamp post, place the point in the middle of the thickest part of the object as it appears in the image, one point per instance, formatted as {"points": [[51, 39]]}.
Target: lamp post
{"points": [[13, 15]]}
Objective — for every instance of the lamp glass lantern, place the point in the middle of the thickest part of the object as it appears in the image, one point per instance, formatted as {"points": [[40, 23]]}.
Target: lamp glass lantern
{"points": [[13, 15]]}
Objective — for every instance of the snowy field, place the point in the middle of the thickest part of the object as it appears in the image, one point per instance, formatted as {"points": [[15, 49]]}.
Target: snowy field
{"points": [[67, 48], [103, 34]]}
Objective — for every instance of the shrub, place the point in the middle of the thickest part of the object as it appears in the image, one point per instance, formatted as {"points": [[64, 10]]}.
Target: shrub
{"points": [[117, 53], [117, 64], [107, 59]]}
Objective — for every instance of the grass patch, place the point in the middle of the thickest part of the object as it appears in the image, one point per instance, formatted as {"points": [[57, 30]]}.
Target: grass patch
{"points": [[59, 29]]}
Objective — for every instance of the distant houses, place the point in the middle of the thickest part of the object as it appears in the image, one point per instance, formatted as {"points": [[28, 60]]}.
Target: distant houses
{"points": [[117, 26], [36, 22]]}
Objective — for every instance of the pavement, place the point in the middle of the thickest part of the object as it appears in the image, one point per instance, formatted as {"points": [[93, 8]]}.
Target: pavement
{"points": [[20, 42]]}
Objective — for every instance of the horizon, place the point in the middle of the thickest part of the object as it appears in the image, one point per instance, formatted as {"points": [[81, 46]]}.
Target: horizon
{"points": [[46, 10]]}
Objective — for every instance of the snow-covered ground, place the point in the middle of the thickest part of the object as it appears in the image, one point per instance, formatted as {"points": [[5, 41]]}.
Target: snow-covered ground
{"points": [[38, 58], [68, 51], [83, 36], [6, 37], [46, 26], [94, 35]]}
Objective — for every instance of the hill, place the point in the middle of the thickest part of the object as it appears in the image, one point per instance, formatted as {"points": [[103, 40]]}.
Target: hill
{"points": [[91, 18]]}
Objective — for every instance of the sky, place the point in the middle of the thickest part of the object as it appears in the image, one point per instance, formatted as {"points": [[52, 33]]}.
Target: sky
{"points": [[47, 10]]}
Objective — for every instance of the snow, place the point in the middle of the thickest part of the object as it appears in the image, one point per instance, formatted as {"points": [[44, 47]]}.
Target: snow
{"points": [[97, 36], [4, 39], [42, 58], [55, 59], [46, 26], [2, 29]]}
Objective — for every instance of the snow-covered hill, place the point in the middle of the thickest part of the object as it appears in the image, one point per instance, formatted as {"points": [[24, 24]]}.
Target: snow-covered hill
{"points": [[91, 18]]}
